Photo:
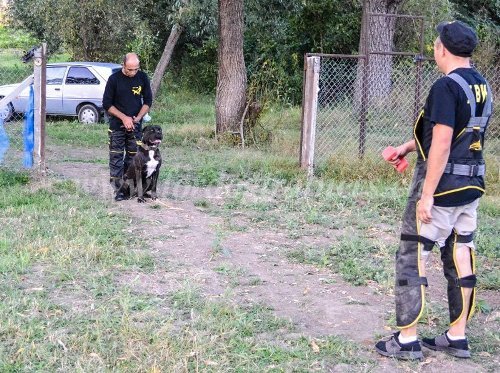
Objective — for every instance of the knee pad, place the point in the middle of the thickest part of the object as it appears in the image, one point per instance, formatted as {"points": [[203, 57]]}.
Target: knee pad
{"points": [[456, 283]]}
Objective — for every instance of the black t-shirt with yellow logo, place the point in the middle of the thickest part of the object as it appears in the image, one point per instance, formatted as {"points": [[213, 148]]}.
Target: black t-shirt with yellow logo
{"points": [[447, 104], [127, 94]]}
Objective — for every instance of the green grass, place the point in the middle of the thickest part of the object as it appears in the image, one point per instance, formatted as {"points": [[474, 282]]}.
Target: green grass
{"points": [[232, 338], [179, 108], [15, 39], [347, 194], [73, 133], [358, 260], [62, 306], [58, 223], [63, 252], [12, 178], [12, 69], [213, 167]]}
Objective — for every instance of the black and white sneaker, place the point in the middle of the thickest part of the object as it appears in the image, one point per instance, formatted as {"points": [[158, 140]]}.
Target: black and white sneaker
{"points": [[391, 347], [459, 348]]}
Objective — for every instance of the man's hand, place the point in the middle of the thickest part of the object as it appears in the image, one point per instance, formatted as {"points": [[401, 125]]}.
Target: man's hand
{"points": [[401, 151], [424, 207], [136, 119], [128, 122]]}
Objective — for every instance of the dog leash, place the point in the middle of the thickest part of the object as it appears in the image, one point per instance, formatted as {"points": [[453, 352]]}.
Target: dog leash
{"points": [[168, 206]]}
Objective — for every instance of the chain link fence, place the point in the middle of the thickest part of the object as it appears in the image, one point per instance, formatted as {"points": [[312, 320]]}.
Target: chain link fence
{"points": [[12, 72], [340, 128]]}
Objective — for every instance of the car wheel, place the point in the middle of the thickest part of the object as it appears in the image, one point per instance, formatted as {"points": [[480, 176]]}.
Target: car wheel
{"points": [[88, 114], [7, 111]]}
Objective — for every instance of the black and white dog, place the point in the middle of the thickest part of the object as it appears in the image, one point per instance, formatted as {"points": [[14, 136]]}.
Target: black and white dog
{"points": [[142, 174]]}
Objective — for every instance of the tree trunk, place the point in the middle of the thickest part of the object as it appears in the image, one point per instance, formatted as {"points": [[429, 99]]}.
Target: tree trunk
{"points": [[177, 30], [232, 78], [379, 39], [373, 80]]}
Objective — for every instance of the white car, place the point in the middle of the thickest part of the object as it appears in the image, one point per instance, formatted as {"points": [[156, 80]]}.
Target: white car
{"points": [[73, 89]]}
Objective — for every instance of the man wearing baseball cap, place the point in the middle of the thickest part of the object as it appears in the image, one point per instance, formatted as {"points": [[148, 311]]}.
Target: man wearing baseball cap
{"points": [[442, 207]]}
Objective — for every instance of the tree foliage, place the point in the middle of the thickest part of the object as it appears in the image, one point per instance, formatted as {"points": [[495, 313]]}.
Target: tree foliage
{"points": [[277, 33], [36, 17], [484, 16], [89, 30]]}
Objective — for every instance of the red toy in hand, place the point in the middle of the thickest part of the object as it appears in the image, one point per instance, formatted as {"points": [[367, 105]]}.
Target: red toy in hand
{"points": [[389, 153]]}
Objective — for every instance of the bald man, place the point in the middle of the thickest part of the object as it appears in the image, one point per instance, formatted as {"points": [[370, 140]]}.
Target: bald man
{"points": [[127, 99]]}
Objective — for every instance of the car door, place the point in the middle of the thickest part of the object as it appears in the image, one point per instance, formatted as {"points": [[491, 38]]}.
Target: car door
{"points": [[55, 78], [81, 85]]}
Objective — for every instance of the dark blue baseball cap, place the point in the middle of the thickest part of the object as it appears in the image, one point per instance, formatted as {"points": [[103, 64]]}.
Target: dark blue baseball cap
{"points": [[457, 37]]}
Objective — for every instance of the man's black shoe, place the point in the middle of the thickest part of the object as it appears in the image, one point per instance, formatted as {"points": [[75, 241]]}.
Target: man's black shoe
{"points": [[120, 196], [459, 348], [393, 348]]}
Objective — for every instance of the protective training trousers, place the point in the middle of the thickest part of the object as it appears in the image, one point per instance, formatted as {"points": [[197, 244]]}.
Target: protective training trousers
{"points": [[410, 285], [122, 148]]}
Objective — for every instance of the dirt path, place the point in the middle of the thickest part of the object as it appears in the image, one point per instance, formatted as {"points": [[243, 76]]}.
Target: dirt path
{"points": [[249, 267], [186, 238]]}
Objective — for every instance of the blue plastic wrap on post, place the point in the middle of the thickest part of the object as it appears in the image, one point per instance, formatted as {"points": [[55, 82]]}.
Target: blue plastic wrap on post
{"points": [[4, 140], [29, 131]]}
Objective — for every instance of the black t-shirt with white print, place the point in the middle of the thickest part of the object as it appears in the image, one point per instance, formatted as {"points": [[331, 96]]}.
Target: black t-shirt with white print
{"points": [[447, 104]]}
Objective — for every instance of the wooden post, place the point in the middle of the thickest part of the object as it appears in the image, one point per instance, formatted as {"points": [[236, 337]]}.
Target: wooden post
{"points": [[39, 72], [309, 113]]}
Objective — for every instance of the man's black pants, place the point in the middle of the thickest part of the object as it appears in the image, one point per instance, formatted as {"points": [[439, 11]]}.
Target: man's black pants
{"points": [[122, 148]]}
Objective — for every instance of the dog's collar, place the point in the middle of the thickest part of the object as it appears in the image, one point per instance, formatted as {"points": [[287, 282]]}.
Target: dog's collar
{"points": [[149, 147]]}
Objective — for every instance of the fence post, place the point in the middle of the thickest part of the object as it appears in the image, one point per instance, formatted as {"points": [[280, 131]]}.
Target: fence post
{"points": [[309, 113], [365, 82], [363, 113], [39, 73], [418, 71]]}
